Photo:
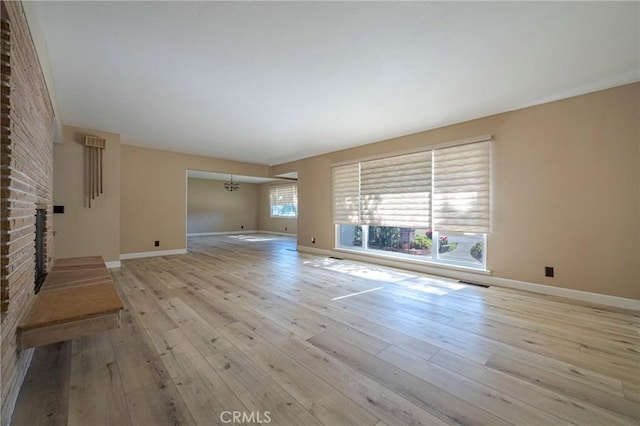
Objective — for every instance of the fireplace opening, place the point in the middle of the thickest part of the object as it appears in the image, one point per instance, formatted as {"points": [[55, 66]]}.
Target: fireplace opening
{"points": [[41, 215]]}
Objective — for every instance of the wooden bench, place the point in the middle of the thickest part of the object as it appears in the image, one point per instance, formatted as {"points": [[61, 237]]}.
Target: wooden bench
{"points": [[78, 297]]}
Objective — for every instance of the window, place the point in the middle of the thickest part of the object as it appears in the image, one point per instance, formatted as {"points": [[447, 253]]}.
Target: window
{"points": [[283, 200], [396, 190], [461, 189], [432, 205]]}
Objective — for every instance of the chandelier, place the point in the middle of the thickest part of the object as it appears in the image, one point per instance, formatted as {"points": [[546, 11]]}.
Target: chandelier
{"points": [[231, 186]]}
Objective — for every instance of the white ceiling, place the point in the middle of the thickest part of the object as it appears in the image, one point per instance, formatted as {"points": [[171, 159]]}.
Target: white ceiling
{"points": [[270, 82]]}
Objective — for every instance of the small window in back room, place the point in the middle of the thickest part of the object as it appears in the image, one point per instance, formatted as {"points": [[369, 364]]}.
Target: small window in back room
{"points": [[283, 200]]}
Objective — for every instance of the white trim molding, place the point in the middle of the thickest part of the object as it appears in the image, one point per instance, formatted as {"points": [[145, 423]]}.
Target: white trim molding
{"points": [[482, 277], [113, 264], [585, 296], [138, 255]]}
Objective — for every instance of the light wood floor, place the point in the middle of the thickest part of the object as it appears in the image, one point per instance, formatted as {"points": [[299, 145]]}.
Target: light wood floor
{"points": [[248, 324]]}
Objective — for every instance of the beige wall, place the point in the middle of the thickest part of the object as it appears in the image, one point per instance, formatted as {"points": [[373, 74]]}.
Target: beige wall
{"points": [[84, 231], [285, 225], [211, 208], [154, 195], [566, 190]]}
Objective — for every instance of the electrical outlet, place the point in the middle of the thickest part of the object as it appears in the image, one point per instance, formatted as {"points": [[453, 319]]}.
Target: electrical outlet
{"points": [[242, 227], [157, 243], [548, 271], [313, 240], [285, 228]]}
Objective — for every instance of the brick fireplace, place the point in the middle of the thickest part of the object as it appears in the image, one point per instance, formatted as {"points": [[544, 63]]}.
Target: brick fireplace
{"points": [[26, 185]]}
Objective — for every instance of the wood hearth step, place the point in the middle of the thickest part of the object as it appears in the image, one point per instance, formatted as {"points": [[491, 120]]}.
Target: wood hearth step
{"points": [[78, 297]]}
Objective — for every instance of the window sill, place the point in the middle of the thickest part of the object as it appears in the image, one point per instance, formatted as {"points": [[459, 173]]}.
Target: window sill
{"points": [[404, 259]]}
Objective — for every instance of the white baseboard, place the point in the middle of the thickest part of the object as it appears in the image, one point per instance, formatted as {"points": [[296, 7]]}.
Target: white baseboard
{"points": [[483, 278], [138, 255], [585, 296], [114, 264]]}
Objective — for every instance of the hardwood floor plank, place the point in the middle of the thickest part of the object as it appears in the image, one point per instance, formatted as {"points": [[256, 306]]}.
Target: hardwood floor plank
{"points": [[96, 396], [207, 310], [470, 346], [174, 279], [424, 394], [268, 298], [618, 367], [300, 328], [229, 306], [312, 320], [203, 391], [571, 313], [46, 388], [152, 282], [257, 390], [91, 352], [565, 369], [563, 386], [130, 333], [498, 403], [578, 373], [620, 351], [631, 391], [380, 332], [139, 365], [158, 404], [612, 344], [200, 333], [565, 407], [376, 398], [149, 313], [324, 402]]}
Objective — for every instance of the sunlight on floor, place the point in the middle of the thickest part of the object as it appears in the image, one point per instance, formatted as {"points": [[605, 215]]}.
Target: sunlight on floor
{"points": [[412, 281], [361, 271], [432, 285], [355, 294], [429, 289], [254, 238], [448, 284]]}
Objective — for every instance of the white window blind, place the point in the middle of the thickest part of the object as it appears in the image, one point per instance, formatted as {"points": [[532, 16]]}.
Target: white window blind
{"points": [[446, 189], [396, 191], [461, 188], [345, 182], [283, 200]]}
